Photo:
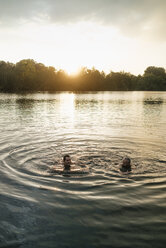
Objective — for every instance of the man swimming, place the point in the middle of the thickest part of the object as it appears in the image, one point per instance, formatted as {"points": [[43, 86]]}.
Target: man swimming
{"points": [[67, 162], [126, 165], [69, 167]]}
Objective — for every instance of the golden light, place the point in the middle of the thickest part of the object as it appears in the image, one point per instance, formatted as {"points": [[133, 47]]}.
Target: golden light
{"points": [[67, 107], [70, 47], [75, 45]]}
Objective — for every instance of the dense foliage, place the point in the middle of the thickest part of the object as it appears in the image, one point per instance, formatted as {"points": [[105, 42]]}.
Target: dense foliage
{"points": [[28, 75]]}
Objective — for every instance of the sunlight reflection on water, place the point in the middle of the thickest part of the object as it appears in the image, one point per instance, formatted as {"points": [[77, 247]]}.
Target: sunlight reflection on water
{"points": [[102, 208]]}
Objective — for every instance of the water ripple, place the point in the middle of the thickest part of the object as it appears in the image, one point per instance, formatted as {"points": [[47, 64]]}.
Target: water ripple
{"points": [[101, 208]]}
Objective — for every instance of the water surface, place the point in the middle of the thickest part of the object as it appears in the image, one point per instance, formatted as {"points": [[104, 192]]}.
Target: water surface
{"points": [[103, 208]]}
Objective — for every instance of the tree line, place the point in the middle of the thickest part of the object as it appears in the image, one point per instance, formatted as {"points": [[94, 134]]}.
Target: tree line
{"points": [[28, 75]]}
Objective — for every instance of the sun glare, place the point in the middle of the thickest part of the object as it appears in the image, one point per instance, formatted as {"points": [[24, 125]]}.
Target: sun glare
{"points": [[67, 106], [70, 47], [71, 69], [73, 46]]}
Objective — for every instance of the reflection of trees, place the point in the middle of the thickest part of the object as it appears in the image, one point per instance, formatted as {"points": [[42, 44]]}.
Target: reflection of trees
{"points": [[25, 108], [152, 112], [24, 103], [87, 103], [28, 75], [153, 101]]}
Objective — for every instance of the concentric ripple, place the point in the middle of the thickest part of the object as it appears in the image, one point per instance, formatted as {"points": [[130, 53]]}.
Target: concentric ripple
{"points": [[102, 208]]}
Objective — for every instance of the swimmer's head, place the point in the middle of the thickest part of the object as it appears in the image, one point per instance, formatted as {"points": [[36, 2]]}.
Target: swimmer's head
{"points": [[67, 161], [126, 161]]}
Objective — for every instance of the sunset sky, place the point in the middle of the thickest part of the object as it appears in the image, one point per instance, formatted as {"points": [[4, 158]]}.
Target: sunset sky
{"points": [[116, 35]]}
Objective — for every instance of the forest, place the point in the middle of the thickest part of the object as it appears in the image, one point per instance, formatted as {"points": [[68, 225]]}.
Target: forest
{"points": [[28, 75]]}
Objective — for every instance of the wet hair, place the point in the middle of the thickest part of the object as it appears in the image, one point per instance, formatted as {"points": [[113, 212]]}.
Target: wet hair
{"points": [[66, 156], [127, 158]]}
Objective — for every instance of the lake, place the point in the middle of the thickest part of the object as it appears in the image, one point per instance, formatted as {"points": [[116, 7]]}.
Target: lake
{"points": [[102, 208]]}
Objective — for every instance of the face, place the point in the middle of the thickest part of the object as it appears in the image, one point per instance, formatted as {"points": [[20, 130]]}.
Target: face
{"points": [[67, 161], [126, 162]]}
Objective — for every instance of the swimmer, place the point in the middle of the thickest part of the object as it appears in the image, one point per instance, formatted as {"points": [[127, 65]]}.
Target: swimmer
{"points": [[67, 166], [67, 162], [126, 165]]}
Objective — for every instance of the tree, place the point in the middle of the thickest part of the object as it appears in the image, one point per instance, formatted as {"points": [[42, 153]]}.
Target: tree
{"points": [[25, 72], [154, 78], [6, 76]]}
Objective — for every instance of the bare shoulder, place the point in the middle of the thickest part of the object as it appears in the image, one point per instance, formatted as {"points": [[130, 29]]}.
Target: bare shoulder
{"points": [[78, 170], [73, 170], [120, 166], [56, 169]]}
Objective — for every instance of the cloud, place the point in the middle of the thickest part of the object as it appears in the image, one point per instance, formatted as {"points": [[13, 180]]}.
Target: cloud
{"points": [[132, 17]]}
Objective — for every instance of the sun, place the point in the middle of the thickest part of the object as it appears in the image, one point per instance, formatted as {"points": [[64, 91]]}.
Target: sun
{"points": [[74, 46], [71, 68]]}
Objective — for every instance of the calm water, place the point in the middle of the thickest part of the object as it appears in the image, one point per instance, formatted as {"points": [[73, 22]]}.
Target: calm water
{"points": [[102, 208]]}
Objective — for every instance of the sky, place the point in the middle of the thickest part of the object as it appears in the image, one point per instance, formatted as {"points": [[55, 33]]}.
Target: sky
{"points": [[110, 35]]}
